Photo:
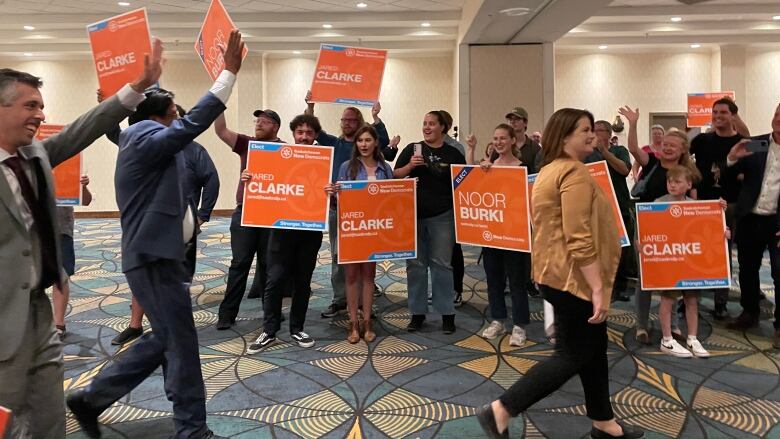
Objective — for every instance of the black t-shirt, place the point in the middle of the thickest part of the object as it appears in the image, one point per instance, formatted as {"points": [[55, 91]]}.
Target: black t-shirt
{"points": [[434, 185], [656, 183], [710, 151]]}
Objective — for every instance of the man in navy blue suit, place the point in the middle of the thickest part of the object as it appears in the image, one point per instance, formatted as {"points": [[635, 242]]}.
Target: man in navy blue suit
{"points": [[157, 222], [758, 222]]}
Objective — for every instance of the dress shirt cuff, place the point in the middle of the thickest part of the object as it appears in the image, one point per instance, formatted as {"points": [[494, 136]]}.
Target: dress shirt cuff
{"points": [[129, 98], [223, 86], [729, 163]]}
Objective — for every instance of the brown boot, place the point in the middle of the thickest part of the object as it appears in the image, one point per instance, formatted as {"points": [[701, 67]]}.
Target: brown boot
{"points": [[354, 332], [369, 335]]}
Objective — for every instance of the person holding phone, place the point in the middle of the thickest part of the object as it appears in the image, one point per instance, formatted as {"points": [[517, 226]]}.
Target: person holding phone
{"points": [[429, 161], [757, 214]]}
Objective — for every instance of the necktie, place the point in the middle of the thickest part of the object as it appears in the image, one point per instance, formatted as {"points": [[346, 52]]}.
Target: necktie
{"points": [[42, 222]]}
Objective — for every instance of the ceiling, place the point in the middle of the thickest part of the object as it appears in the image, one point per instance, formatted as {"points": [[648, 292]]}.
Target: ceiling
{"points": [[285, 26], [631, 25]]}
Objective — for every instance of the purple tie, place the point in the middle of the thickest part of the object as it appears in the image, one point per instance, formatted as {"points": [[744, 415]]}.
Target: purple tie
{"points": [[42, 223]]}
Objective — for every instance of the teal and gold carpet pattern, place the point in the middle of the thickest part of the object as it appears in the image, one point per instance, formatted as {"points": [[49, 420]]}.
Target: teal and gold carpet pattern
{"points": [[420, 385]]}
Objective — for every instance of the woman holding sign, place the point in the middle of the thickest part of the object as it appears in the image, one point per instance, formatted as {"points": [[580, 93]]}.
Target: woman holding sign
{"points": [[499, 263], [576, 254], [429, 161], [674, 152], [366, 163]]}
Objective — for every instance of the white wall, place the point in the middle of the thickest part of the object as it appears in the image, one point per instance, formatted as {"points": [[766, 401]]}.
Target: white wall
{"points": [[654, 82], [762, 89], [412, 86]]}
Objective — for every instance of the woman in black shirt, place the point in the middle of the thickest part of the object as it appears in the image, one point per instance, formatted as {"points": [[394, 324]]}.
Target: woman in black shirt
{"points": [[429, 161]]}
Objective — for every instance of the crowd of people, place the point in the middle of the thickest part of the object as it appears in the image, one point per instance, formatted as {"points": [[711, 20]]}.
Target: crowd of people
{"points": [[162, 176]]}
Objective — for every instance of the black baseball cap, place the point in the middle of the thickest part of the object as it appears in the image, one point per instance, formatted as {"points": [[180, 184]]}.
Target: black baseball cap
{"points": [[271, 114]]}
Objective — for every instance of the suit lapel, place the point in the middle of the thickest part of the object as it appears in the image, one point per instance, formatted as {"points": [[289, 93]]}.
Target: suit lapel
{"points": [[7, 198]]}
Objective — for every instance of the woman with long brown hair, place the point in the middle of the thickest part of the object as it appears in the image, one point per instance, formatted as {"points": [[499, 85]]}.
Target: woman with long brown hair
{"points": [[366, 163], [576, 253]]}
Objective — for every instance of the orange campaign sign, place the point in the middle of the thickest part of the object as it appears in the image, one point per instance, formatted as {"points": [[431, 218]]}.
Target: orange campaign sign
{"points": [[214, 33], [600, 172], [5, 421], [377, 220], [491, 207], [348, 75], [682, 245], [118, 48], [700, 107], [286, 190], [67, 175]]}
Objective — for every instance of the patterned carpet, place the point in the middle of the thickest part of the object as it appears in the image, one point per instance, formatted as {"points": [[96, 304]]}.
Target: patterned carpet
{"points": [[420, 385]]}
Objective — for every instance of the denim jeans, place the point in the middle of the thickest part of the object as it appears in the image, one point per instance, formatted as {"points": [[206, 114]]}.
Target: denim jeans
{"points": [[500, 264], [435, 241], [337, 276]]}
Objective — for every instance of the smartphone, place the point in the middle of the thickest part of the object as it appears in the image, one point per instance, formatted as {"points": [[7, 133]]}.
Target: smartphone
{"points": [[757, 146], [417, 149]]}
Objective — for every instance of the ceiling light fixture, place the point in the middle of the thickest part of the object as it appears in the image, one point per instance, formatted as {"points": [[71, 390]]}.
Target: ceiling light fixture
{"points": [[603, 47], [29, 27], [361, 5], [27, 54], [695, 46], [425, 24], [123, 3], [296, 52], [776, 17], [676, 19], [515, 12], [327, 26]]}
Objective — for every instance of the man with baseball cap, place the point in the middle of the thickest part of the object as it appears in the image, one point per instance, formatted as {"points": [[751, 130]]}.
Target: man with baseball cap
{"points": [[245, 242], [530, 150]]}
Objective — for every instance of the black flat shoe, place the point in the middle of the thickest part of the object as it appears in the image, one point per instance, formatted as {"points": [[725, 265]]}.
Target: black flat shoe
{"points": [[225, 323], [629, 432], [129, 334], [85, 415], [416, 323], [487, 421]]}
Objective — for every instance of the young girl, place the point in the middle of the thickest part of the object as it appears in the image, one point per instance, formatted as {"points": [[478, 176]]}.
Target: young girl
{"points": [[679, 181], [500, 264], [367, 163]]}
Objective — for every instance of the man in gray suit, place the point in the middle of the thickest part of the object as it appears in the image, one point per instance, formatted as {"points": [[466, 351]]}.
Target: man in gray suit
{"points": [[31, 369]]}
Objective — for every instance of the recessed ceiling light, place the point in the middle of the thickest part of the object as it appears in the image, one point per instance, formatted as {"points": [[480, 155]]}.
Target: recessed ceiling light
{"points": [[603, 47], [515, 12], [327, 26], [361, 5], [695, 46], [296, 52], [29, 28], [123, 3], [776, 17], [425, 24], [676, 19], [27, 54]]}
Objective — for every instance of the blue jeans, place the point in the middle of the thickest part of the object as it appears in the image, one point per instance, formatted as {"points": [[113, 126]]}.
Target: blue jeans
{"points": [[435, 240], [500, 264]]}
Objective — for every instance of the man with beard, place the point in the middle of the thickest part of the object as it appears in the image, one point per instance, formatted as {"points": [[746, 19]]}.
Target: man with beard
{"points": [[351, 121], [245, 242]]}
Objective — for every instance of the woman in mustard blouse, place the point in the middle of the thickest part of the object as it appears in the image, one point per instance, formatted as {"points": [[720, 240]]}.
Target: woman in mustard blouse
{"points": [[576, 253]]}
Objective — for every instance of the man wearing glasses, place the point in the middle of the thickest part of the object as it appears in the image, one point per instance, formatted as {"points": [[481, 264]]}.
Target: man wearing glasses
{"points": [[351, 121]]}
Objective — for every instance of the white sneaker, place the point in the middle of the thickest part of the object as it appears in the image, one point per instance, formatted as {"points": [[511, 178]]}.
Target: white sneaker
{"points": [[518, 336], [675, 349], [697, 349], [495, 329]]}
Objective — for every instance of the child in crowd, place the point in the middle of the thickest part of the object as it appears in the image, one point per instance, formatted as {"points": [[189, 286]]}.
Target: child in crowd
{"points": [[679, 181]]}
